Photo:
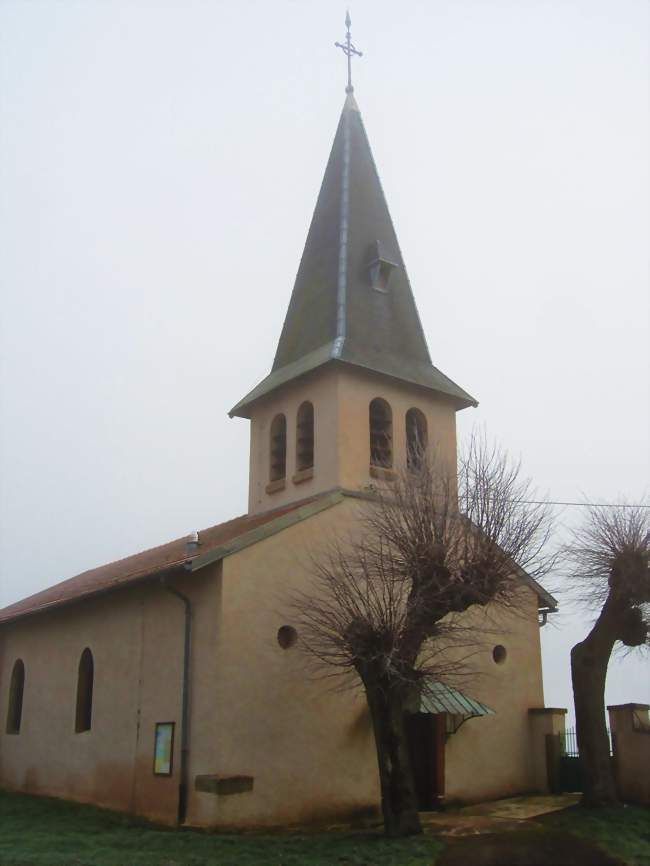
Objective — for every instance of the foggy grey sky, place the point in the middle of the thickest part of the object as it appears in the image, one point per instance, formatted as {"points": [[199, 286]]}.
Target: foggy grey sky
{"points": [[159, 164]]}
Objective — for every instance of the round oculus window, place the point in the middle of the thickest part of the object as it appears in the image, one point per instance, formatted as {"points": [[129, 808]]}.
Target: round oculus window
{"points": [[287, 636]]}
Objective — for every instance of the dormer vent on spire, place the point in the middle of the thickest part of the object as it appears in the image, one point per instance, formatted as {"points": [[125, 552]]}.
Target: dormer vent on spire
{"points": [[380, 267]]}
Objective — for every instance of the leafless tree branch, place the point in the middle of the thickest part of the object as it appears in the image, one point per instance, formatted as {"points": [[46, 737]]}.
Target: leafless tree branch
{"points": [[388, 603]]}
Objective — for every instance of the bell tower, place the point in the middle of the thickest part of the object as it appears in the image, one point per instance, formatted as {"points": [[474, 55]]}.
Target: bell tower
{"points": [[352, 387]]}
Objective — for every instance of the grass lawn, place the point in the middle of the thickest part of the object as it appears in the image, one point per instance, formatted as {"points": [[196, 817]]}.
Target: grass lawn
{"points": [[37, 831], [622, 832], [42, 832]]}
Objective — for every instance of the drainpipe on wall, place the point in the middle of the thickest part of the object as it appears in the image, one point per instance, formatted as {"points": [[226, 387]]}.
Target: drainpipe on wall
{"points": [[185, 694]]}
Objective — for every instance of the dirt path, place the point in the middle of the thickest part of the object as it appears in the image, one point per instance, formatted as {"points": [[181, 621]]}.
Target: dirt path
{"points": [[526, 847]]}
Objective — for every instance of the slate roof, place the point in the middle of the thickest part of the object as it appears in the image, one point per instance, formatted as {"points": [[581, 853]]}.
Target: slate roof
{"points": [[215, 543], [335, 314]]}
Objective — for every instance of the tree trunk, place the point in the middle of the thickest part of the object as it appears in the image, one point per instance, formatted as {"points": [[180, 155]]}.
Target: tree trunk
{"points": [[398, 799], [589, 660]]}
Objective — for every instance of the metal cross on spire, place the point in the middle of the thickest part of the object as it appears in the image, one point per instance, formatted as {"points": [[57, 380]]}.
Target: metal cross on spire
{"points": [[349, 50]]}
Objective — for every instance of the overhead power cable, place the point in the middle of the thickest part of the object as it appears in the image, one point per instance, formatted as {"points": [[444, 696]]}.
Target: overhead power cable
{"points": [[582, 504]]}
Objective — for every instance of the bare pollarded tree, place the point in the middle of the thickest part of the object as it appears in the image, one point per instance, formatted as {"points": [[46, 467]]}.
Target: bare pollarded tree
{"points": [[609, 561], [386, 605]]}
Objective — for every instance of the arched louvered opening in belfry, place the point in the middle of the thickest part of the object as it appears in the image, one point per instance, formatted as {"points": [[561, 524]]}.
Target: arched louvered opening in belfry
{"points": [[85, 692], [381, 434], [16, 692], [305, 437], [416, 438], [278, 448]]}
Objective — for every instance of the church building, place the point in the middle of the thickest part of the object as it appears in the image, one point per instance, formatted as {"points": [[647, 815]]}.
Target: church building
{"points": [[171, 684]]}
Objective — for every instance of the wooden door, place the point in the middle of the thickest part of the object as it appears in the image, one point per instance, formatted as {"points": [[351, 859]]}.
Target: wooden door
{"points": [[426, 742]]}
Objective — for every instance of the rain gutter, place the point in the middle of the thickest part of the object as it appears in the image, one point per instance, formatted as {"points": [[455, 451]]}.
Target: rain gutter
{"points": [[185, 702]]}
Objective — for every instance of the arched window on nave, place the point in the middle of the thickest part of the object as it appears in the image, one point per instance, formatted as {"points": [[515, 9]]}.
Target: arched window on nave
{"points": [[16, 692], [85, 679]]}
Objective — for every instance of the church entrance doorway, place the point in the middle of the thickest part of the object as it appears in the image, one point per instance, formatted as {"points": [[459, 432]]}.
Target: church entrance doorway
{"points": [[426, 743]]}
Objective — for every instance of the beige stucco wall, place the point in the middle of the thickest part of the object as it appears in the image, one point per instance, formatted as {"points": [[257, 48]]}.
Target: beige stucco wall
{"points": [[136, 637], [356, 390], [255, 708], [309, 749], [321, 388], [500, 755], [341, 396]]}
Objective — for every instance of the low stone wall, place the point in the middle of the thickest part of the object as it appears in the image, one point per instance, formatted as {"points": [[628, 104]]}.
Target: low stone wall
{"points": [[546, 724], [630, 726]]}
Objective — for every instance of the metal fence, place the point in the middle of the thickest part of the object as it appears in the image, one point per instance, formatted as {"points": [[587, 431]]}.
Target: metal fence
{"points": [[569, 740]]}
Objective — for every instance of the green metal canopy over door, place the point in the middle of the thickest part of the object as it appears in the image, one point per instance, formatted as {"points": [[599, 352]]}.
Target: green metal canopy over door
{"points": [[437, 698]]}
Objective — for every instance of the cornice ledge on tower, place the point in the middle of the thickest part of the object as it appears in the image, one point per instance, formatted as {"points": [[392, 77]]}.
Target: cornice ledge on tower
{"points": [[285, 374], [410, 370], [404, 370]]}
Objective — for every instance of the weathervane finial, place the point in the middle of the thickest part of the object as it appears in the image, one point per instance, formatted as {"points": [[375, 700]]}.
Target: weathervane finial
{"points": [[349, 50]]}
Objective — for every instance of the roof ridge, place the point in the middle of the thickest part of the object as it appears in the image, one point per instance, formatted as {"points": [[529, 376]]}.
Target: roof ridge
{"points": [[344, 217]]}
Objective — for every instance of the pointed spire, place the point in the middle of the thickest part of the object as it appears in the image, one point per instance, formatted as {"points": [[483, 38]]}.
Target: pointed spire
{"points": [[352, 301]]}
